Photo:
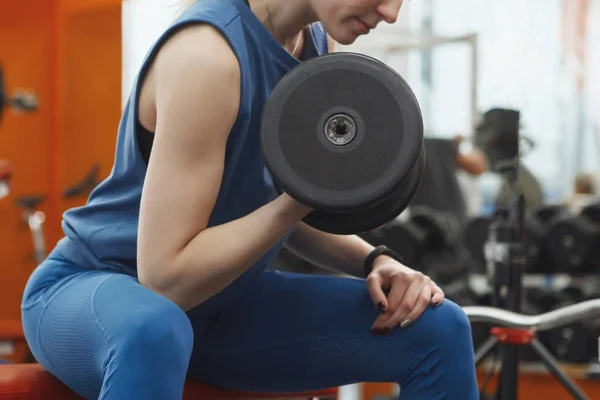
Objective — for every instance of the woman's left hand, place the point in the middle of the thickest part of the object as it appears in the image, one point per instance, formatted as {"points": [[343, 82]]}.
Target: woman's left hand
{"points": [[409, 294]]}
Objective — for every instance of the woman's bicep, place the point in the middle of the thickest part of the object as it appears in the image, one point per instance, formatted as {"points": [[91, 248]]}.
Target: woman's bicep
{"points": [[197, 100]]}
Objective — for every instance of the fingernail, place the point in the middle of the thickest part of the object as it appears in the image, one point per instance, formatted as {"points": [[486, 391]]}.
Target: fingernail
{"points": [[381, 306], [380, 331], [405, 323]]}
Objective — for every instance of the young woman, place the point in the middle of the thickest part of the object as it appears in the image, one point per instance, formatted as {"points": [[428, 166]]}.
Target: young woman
{"points": [[162, 273]]}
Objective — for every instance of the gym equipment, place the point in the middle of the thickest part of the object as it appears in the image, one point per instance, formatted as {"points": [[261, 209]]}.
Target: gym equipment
{"points": [[35, 218], [445, 268], [573, 243], [505, 252], [534, 233], [21, 101], [427, 231], [589, 309], [516, 329], [592, 213], [31, 381], [475, 233], [548, 299], [439, 230], [497, 134], [85, 186], [575, 342], [343, 134], [546, 214]]}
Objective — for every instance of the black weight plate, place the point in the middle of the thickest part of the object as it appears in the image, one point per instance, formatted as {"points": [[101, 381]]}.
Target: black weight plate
{"points": [[534, 231], [443, 227], [592, 213], [475, 235], [405, 239], [384, 135], [546, 214], [572, 242], [429, 221], [372, 217], [574, 343]]}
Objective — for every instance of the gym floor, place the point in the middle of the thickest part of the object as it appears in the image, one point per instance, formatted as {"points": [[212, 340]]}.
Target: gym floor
{"points": [[68, 65]]}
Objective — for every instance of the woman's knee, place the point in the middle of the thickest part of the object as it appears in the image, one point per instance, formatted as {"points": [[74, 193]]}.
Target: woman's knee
{"points": [[161, 333], [447, 326]]}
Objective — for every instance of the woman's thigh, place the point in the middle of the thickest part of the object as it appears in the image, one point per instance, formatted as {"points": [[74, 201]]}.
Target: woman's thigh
{"points": [[106, 336], [292, 332]]}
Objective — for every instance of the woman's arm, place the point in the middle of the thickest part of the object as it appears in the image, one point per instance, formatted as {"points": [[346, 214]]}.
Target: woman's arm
{"points": [[196, 82], [337, 253], [473, 163]]}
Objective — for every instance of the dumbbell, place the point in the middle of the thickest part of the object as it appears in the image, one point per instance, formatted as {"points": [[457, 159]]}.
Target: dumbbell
{"points": [[576, 342], [572, 243], [447, 266], [592, 213], [475, 234], [534, 233], [545, 299], [427, 231], [546, 213], [342, 133]]}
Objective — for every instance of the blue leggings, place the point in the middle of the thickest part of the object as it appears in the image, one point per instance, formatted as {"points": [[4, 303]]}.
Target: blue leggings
{"points": [[106, 336]]}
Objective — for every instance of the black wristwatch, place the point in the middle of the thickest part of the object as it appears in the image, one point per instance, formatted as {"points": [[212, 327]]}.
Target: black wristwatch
{"points": [[376, 252]]}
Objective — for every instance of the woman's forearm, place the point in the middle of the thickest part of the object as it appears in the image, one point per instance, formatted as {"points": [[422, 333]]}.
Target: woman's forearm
{"points": [[220, 254], [337, 253]]}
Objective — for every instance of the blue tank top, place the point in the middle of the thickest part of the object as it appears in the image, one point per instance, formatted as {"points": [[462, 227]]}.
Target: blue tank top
{"points": [[103, 233]]}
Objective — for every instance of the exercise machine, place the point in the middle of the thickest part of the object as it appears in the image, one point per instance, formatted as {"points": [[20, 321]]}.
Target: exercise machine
{"points": [[21, 101], [35, 218], [515, 329], [506, 257]]}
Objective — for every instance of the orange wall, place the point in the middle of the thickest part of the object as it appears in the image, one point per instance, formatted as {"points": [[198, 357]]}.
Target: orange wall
{"points": [[69, 52], [92, 87], [26, 53]]}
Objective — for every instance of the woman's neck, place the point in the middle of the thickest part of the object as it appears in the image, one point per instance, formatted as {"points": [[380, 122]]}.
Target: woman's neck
{"points": [[285, 19]]}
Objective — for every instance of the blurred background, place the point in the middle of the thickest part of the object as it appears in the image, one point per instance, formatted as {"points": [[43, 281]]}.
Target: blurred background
{"points": [[70, 66]]}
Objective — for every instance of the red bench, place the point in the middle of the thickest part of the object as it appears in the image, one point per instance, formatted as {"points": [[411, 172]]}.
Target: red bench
{"points": [[13, 346], [32, 382]]}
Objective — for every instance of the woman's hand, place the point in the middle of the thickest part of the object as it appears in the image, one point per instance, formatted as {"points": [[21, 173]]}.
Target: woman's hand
{"points": [[409, 294]]}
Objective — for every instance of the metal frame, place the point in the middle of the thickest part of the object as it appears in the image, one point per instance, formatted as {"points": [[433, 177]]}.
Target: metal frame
{"points": [[523, 326], [415, 41]]}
